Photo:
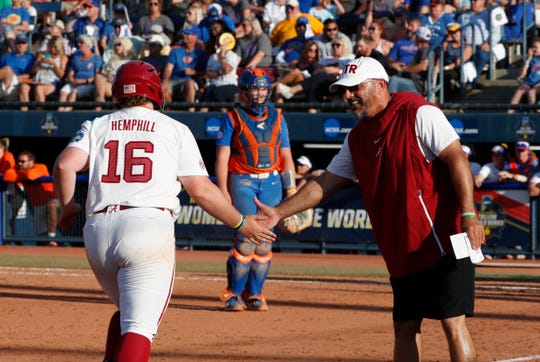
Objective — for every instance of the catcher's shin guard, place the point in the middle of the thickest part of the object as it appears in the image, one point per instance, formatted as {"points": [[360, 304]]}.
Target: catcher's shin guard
{"points": [[257, 274], [238, 266]]}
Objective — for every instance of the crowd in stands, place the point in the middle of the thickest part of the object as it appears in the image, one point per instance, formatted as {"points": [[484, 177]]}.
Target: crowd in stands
{"points": [[199, 47]]}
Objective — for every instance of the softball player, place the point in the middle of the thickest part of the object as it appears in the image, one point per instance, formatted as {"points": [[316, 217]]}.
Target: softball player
{"points": [[252, 147], [138, 159]]}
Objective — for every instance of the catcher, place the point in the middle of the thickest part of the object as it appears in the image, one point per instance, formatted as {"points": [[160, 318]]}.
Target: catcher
{"points": [[252, 147]]}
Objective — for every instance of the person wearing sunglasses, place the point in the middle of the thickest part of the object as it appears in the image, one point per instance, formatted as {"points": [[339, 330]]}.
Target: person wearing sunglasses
{"points": [[325, 39], [41, 195], [154, 16]]}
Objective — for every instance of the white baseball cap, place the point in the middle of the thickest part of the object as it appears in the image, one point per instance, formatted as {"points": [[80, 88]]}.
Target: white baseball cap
{"points": [[303, 160], [358, 71], [424, 33]]}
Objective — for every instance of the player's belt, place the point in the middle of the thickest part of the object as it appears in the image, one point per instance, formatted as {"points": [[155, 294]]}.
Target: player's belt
{"points": [[114, 208], [263, 175]]}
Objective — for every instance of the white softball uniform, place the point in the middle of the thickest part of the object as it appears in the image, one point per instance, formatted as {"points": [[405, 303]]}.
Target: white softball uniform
{"points": [[135, 158]]}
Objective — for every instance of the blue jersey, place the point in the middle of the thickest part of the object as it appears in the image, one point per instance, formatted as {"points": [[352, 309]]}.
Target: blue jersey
{"points": [[437, 27], [19, 63], [513, 30], [403, 51], [85, 69], [292, 48], [15, 16], [182, 59], [533, 72], [80, 25]]}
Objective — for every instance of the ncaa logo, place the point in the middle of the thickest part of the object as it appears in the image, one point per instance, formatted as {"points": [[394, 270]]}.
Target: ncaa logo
{"points": [[331, 127], [212, 127]]}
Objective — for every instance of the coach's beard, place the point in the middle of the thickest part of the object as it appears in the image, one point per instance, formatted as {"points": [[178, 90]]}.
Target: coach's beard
{"points": [[358, 108]]}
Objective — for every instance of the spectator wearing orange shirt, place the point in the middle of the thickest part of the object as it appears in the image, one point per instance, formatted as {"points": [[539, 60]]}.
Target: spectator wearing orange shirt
{"points": [[7, 160], [40, 195]]}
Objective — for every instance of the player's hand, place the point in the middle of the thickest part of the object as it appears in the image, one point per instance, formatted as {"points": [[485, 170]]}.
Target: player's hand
{"points": [[475, 231], [256, 232], [68, 215], [267, 216]]}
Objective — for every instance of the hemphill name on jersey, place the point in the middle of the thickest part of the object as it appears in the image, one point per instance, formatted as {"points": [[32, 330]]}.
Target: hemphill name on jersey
{"points": [[140, 125]]}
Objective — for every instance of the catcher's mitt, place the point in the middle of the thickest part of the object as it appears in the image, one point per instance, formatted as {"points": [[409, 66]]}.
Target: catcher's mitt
{"points": [[297, 222]]}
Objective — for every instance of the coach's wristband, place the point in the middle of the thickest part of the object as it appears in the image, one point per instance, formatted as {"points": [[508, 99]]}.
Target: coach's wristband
{"points": [[469, 215], [240, 223]]}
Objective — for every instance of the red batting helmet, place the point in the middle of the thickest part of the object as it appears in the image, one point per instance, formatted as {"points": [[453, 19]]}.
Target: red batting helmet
{"points": [[137, 78]]}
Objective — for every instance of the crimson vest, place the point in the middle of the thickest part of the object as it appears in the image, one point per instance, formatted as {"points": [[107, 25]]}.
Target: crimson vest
{"points": [[404, 193]]}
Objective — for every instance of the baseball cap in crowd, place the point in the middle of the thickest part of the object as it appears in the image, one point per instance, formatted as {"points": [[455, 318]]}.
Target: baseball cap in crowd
{"points": [[58, 23], [21, 38], [466, 150], [156, 39], [498, 149], [92, 3], [119, 8], [192, 30], [302, 20], [453, 27], [523, 145], [436, 2], [303, 160], [423, 33], [359, 70], [293, 3], [214, 11]]}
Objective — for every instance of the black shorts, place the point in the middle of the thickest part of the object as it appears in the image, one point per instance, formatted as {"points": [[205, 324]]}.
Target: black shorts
{"points": [[443, 291]]}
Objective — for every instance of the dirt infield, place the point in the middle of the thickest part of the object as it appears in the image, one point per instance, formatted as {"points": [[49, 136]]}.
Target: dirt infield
{"points": [[61, 315]]}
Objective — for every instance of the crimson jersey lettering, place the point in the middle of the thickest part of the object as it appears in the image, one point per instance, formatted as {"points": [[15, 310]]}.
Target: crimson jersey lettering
{"points": [[136, 168], [139, 125]]}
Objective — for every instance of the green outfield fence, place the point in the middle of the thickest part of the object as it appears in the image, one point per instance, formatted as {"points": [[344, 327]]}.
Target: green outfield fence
{"points": [[19, 226]]}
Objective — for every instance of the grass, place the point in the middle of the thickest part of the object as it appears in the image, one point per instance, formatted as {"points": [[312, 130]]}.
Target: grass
{"points": [[28, 261]]}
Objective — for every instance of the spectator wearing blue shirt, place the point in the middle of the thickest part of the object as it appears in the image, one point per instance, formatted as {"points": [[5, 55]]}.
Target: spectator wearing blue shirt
{"points": [[185, 66], [415, 7], [480, 34], [81, 75], [15, 19], [92, 25], [215, 12], [513, 30], [437, 21], [15, 68], [529, 76], [290, 50], [404, 50]]}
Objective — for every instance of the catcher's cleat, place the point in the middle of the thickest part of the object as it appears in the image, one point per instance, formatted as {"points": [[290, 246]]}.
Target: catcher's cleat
{"points": [[235, 304], [257, 304]]}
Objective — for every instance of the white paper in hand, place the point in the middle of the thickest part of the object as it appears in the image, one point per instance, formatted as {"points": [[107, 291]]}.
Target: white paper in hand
{"points": [[463, 248]]}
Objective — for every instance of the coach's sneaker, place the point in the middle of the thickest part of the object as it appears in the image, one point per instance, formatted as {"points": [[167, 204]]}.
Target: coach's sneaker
{"points": [[235, 304], [257, 304]]}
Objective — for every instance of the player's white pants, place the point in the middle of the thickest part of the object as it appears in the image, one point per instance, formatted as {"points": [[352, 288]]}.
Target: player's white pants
{"points": [[132, 254]]}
